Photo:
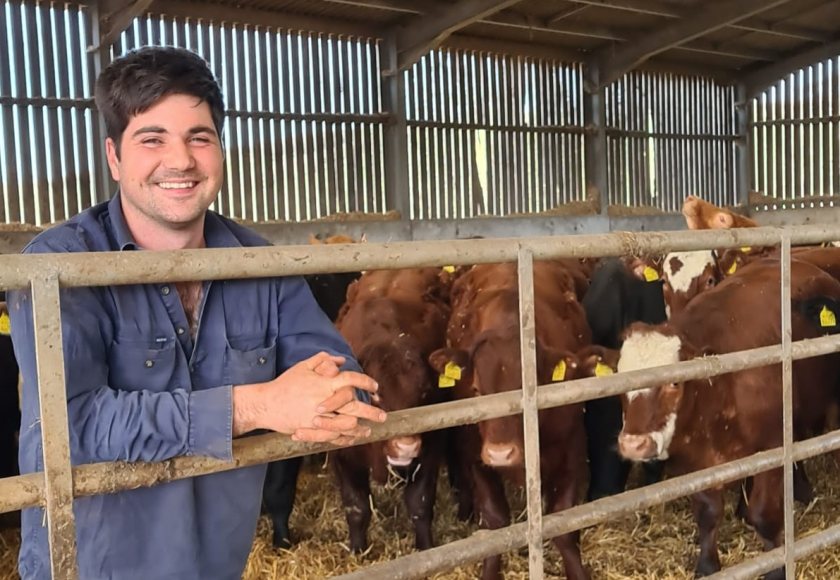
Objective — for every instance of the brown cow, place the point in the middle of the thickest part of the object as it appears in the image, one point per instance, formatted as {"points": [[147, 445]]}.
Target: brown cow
{"points": [[702, 215], [706, 422], [393, 320], [484, 358]]}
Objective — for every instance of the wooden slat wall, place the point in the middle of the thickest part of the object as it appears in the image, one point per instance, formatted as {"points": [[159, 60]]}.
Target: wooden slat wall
{"points": [[670, 136], [795, 131], [47, 153], [492, 135]]}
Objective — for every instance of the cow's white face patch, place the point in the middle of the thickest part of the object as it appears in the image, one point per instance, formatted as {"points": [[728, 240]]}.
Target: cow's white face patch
{"points": [[663, 437], [644, 350], [693, 264]]}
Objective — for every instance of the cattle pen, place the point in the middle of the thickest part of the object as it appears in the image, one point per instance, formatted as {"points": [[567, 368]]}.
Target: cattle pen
{"points": [[552, 128], [56, 487]]}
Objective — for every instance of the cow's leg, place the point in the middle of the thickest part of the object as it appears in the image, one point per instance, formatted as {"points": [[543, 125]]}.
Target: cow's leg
{"points": [[279, 497], [607, 470], [765, 512], [458, 470], [561, 491], [803, 492], [493, 511], [354, 484], [708, 510], [420, 492]]}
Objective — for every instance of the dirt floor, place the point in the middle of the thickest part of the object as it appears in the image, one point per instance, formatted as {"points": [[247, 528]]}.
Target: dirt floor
{"points": [[655, 544]]}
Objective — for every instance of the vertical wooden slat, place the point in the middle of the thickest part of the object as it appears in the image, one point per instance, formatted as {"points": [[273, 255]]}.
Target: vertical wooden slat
{"points": [[8, 114], [67, 135], [55, 434], [33, 159]]}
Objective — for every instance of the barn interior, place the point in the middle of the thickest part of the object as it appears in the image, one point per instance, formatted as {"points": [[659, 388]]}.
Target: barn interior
{"points": [[450, 119]]}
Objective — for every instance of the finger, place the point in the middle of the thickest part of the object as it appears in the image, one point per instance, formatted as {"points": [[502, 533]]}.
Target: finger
{"points": [[312, 362], [363, 411], [358, 380], [315, 435], [336, 423], [337, 400], [327, 369], [344, 441]]}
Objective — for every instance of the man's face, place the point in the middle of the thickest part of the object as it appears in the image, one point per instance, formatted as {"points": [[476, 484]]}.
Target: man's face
{"points": [[169, 166]]}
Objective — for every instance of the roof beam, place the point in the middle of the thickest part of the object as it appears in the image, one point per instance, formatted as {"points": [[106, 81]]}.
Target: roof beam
{"points": [[429, 31], [761, 78], [655, 8], [114, 17], [616, 61], [257, 17]]}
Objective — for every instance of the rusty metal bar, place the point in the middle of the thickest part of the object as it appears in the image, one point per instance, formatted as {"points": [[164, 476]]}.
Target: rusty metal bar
{"points": [[24, 491], [774, 558], [108, 268], [530, 414], [55, 435], [488, 543], [787, 411]]}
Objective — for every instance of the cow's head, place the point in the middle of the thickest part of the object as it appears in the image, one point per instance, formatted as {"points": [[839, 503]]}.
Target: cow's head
{"points": [[650, 414], [494, 366], [687, 274], [406, 381]]}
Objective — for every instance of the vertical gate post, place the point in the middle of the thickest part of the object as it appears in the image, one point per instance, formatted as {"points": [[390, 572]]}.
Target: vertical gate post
{"points": [[787, 409], [396, 138], [743, 148], [58, 475], [595, 137], [530, 413]]}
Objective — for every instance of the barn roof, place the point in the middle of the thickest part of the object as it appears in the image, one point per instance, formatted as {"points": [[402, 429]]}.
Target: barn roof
{"points": [[756, 41]]}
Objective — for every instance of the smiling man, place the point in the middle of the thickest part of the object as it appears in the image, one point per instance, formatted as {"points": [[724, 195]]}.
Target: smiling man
{"points": [[159, 370]]}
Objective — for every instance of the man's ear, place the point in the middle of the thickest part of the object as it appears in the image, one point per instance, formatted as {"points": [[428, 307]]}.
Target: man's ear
{"points": [[112, 154]]}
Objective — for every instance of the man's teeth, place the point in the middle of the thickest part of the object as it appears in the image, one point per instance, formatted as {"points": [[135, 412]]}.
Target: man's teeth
{"points": [[177, 185]]}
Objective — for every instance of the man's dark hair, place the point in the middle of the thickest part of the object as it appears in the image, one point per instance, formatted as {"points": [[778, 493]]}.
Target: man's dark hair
{"points": [[136, 81]]}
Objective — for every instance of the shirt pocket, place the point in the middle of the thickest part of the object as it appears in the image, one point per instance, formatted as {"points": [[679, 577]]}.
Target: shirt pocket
{"points": [[137, 365], [246, 364]]}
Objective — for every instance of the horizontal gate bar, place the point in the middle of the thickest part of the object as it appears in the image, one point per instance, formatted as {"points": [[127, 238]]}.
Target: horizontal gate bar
{"points": [[105, 268], [775, 558], [490, 542], [27, 490]]}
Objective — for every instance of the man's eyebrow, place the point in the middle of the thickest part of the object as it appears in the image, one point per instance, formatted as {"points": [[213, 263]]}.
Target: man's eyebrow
{"points": [[156, 129]]}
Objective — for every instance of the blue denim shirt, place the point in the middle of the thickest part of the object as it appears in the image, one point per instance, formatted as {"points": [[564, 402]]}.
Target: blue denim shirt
{"points": [[140, 389]]}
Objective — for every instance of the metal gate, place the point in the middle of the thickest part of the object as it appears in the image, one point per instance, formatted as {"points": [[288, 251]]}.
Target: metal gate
{"points": [[56, 487]]}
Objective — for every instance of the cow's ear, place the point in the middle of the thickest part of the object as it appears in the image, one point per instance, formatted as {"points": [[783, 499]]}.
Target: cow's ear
{"points": [[729, 261], [722, 221], [554, 366], [442, 357], [314, 240]]}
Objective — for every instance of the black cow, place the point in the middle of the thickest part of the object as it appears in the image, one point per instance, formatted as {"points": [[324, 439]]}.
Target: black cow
{"points": [[330, 291], [9, 406], [615, 299]]}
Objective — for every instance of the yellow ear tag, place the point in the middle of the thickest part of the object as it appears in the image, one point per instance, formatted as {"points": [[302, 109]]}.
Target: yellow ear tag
{"points": [[827, 317], [559, 371], [746, 249], [602, 370], [452, 371], [732, 268], [445, 382], [449, 269], [5, 324], [650, 274]]}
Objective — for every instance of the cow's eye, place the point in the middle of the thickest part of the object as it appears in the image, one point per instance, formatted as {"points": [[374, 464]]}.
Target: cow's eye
{"points": [[710, 282]]}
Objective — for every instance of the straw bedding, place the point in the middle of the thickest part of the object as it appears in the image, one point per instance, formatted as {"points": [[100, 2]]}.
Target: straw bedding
{"points": [[654, 544]]}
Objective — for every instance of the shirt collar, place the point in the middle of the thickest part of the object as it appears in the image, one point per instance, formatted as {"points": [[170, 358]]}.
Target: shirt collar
{"points": [[217, 234]]}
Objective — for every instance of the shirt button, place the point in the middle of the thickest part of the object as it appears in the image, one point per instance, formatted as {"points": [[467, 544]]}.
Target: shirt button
{"points": [[180, 331], [165, 290], [261, 360], [149, 363], [192, 368]]}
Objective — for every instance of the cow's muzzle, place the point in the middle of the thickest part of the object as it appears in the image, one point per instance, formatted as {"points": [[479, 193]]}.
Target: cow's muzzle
{"points": [[637, 447], [501, 454], [401, 451]]}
